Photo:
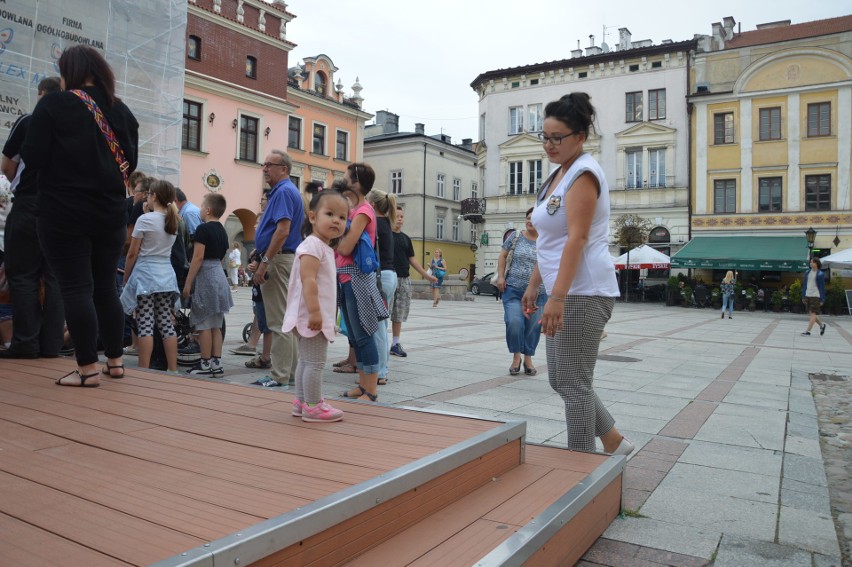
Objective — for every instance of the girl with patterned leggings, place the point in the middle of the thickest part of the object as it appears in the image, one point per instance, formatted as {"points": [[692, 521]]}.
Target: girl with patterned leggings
{"points": [[150, 284]]}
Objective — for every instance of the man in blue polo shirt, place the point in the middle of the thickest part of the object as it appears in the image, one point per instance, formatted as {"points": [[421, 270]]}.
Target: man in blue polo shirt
{"points": [[276, 238]]}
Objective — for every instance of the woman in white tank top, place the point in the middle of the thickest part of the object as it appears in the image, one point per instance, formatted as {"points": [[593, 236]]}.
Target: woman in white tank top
{"points": [[572, 220]]}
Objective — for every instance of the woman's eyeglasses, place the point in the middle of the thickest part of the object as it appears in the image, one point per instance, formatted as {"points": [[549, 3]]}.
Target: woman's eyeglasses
{"points": [[555, 140]]}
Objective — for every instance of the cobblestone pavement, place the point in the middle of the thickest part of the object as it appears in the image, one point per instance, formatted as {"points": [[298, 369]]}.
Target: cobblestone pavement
{"points": [[833, 397]]}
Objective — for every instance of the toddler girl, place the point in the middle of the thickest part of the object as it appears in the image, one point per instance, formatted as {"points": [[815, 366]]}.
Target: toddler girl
{"points": [[150, 284], [311, 308]]}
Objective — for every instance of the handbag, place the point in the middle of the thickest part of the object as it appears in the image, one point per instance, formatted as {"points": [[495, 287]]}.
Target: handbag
{"points": [[106, 130], [509, 257], [364, 254]]}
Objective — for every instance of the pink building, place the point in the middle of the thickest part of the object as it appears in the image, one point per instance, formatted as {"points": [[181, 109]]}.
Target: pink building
{"points": [[241, 100]]}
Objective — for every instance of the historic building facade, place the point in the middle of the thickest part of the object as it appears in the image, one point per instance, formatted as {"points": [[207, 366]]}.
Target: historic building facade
{"points": [[241, 100], [430, 177], [640, 135], [772, 133]]}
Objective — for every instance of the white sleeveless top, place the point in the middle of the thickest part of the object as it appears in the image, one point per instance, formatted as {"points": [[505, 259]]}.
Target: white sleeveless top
{"points": [[595, 272]]}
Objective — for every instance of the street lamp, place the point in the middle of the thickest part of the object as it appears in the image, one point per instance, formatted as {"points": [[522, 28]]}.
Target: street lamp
{"points": [[810, 234]]}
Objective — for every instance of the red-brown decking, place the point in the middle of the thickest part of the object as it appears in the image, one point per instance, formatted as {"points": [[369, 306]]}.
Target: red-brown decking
{"points": [[142, 470]]}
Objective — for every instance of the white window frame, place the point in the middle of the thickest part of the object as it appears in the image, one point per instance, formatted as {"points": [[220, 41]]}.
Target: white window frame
{"points": [[657, 167], [456, 227], [324, 141], [534, 170], [439, 228], [301, 132], [337, 132], [535, 117], [633, 169], [456, 189], [516, 120], [656, 104], [482, 126], [474, 190], [516, 177], [441, 181], [396, 182]]}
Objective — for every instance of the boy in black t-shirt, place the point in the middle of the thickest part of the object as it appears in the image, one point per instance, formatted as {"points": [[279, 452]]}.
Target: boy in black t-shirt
{"points": [[206, 283]]}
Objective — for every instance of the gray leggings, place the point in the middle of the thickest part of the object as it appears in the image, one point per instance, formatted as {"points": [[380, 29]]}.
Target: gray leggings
{"points": [[571, 358], [312, 355]]}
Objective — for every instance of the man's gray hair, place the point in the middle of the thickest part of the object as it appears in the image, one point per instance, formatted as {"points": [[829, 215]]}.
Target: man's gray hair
{"points": [[285, 159]]}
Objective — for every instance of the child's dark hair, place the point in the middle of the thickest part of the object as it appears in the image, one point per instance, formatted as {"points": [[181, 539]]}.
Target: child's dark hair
{"points": [[164, 193], [575, 110], [314, 205], [313, 187], [217, 204]]}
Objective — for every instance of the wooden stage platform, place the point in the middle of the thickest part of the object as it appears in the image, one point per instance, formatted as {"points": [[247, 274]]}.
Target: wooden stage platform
{"points": [[174, 471]]}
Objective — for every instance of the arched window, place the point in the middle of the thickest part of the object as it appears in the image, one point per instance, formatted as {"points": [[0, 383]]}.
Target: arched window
{"points": [[321, 83]]}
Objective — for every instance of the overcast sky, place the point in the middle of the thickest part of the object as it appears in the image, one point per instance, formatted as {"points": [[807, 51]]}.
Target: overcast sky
{"points": [[418, 58]]}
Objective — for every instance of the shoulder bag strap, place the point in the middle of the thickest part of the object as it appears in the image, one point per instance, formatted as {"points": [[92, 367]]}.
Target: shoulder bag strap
{"points": [[107, 131]]}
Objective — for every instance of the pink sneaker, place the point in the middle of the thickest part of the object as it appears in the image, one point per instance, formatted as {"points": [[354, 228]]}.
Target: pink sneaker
{"points": [[297, 407], [322, 412]]}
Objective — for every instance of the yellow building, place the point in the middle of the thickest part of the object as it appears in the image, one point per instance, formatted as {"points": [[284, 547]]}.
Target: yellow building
{"points": [[771, 146]]}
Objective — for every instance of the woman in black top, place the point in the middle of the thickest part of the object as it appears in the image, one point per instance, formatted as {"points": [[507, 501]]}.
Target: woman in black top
{"points": [[82, 219]]}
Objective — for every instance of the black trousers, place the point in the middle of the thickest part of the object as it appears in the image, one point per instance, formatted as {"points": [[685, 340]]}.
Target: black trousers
{"points": [[84, 258], [36, 327]]}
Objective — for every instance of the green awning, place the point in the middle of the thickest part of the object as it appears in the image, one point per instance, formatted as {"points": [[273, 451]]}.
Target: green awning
{"points": [[776, 253]]}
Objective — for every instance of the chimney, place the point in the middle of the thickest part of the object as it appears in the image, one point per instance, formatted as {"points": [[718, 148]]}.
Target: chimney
{"points": [[467, 143], [728, 24], [577, 53], [419, 128], [718, 36], [623, 38]]}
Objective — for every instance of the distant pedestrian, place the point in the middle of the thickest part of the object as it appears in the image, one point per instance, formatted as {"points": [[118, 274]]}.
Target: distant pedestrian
{"points": [[572, 218], [523, 327], [813, 294], [727, 288], [439, 269], [234, 265], [313, 303]]}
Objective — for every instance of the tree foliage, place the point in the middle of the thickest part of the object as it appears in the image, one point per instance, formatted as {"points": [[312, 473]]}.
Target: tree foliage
{"points": [[631, 230]]}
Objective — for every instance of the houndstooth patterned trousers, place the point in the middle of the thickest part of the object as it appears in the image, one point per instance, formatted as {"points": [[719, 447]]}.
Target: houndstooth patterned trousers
{"points": [[571, 358]]}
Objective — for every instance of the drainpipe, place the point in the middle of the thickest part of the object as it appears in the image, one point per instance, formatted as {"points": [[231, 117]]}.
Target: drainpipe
{"points": [[423, 221]]}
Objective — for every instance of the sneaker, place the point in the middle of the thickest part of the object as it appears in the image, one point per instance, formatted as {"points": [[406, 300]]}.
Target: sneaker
{"points": [[245, 350], [322, 412], [189, 355], [201, 368], [131, 351], [297, 407], [624, 448], [216, 367], [806, 333], [396, 350], [822, 329]]}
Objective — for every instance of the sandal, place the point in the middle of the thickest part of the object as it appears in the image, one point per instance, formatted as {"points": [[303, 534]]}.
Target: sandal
{"points": [[514, 371], [259, 362], [382, 382], [362, 392], [109, 368], [345, 370], [344, 362], [530, 371], [83, 378]]}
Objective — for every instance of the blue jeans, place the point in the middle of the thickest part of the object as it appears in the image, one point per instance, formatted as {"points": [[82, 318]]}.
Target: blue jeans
{"points": [[522, 334], [366, 355], [389, 281], [727, 303]]}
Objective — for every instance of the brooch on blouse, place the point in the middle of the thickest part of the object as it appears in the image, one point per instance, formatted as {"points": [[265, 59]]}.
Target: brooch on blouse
{"points": [[553, 205]]}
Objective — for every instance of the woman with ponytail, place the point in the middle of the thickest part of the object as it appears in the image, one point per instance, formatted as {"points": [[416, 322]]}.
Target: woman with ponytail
{"points": [[385, 206], [150, 285]]}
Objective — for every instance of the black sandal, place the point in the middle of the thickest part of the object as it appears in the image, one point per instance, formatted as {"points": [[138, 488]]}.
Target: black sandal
{"points": [[530, 371], [83, 378], [364, 392], [514, 371], [109, 368]]}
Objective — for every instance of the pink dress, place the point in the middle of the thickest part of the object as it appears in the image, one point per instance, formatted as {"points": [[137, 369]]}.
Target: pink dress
{"points": [[296, 316]]}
